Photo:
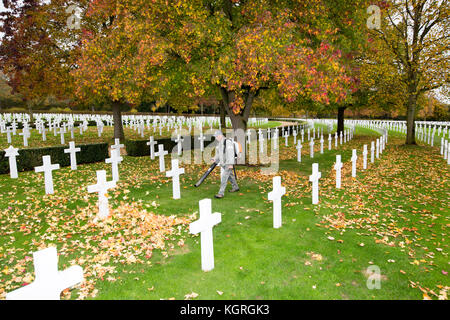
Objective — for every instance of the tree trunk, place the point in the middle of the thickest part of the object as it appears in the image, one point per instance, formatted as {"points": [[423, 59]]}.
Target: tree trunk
{"points": [[117, 117], [340, 119], [238, 121], [223, 124], [410, 119]]}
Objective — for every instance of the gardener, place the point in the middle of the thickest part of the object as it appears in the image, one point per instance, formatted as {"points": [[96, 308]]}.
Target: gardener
{"points": [[226, 153]]}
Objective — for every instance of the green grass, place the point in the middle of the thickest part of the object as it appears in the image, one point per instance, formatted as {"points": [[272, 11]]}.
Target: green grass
{"points": [[394, 215]]}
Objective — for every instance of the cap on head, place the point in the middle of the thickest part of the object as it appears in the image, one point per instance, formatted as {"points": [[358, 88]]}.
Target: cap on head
{"points": [[218, 133]]}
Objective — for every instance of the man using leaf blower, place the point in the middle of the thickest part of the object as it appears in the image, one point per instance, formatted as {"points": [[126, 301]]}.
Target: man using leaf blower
{"points": [[226, 152]]}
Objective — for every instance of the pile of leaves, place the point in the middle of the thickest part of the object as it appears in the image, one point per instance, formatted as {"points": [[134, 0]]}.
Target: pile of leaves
{"points": [[128, 236]]}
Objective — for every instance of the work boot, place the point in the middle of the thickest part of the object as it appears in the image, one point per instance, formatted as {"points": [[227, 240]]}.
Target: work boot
{"points": [[218, 196], [234, 190]]}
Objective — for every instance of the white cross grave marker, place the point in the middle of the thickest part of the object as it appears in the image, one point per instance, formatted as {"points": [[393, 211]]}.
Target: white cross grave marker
{"points": [[117, 145], [49, 282], [73, 157], [61, 132], [311, 148], [378, 149], [372, 150], [365, 157], [202, 138], [275, 196], [314, 178], [114, 160], [204, 225], [175, 174], [12, 153], [152, 144], [161, 153], [299, 151], [321, 144], [338, 166], [102, 187], [47, 168], [354, 158], [25, 134]]}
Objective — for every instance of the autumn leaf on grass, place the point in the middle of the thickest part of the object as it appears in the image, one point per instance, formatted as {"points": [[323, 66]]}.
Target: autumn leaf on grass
{"points": [[190, 296]]}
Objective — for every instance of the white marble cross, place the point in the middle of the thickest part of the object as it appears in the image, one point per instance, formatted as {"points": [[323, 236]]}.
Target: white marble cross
{"points": [[71, 129], [9, 130], [204, 226], [378, 149], [114, 160], [372, 150], [161, 153], [340, 137], [248, 134], [335, 140], [329, 141], [117, 145], [365, 157], [49, 282], [321, 144], [47, 168], [175, 174], [311, 148], [261, 141], [152, 144], [381, 144], [61, 132], [275, 196], [25, 134], [286, 137], [43, 130], [314, 178], [179, 141], [448, 155], [446, 148], [102, 187], [73, 157], [338, 166], [354, 158], [442, 145], [202, 138], [299, 151], [12, 153]]}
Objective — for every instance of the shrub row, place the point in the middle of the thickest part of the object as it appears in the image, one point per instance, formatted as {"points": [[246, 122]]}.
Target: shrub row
{"points": [[30, 158]]}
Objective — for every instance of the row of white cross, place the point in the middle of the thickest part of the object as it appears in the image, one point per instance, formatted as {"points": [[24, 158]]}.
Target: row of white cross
{"points": [[50, 282]]}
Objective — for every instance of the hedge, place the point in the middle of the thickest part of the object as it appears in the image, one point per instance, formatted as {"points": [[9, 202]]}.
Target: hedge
{"points": [[28, 159]]}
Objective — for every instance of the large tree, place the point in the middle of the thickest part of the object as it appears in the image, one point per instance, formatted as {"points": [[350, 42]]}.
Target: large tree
{"points": [[152, 51], [415, 33], [37, 50]]}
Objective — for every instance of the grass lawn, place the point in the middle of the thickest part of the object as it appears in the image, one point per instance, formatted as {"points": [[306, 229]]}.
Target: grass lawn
{"points": [[395, 215]]}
